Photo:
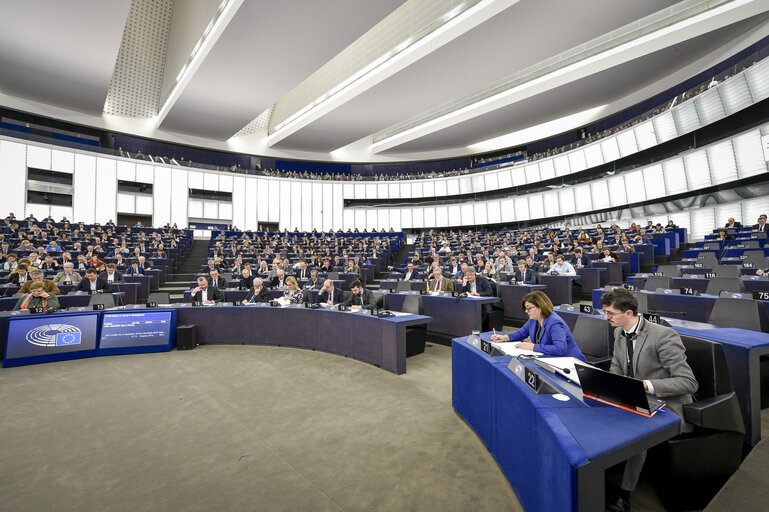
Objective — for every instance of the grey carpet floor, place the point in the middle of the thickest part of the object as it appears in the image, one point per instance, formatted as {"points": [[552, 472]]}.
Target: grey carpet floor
{"points": [[240, 428]]}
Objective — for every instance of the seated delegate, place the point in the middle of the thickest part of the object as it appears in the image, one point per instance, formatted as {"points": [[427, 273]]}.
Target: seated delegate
{"points": [[37, 298], [548, 332]]}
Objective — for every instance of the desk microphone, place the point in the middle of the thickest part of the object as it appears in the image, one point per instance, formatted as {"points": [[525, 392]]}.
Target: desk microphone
{"points": [[660, 312], [460, 296]]}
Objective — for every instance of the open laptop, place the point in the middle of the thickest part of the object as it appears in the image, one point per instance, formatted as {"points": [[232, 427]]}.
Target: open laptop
{"points": [[617, 390]]}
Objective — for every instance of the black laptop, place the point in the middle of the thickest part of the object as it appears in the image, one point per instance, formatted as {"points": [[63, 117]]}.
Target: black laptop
{"points": [[617, 390]]}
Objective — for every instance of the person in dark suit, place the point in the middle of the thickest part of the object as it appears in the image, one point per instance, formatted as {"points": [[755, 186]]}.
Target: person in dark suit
{"points": [[112, 275], [302, 272], [732, 224], [360, 298], [215, 280], [278, 282], [531, 264], [246, 278], [654, 354], [134, 269], [580, 259], [761, 226], [724, 235], [93, 283], [475, 285], [525, 275], [20, 276], [257, 293], [314, 282], [328, 294], [410, 274], [204, 294], [547, 331]]}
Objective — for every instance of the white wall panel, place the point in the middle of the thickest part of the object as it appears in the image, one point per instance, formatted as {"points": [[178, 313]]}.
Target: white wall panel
{"points": [[478, 182], [507, 209], [566, 200], [491, 182], [349, 190], [13, 168], [697, 169], [610, 149], [675, 176], [750, 157], [416, 189], [617, 192], [382, 218], [349, 220], [337, 206], [317, 210], [429, 216], [665, 127], [405, 190], [654, 182], [723, 166], [360, 219], [452, 186], [210, 181], [468, 214], [599, 191], [371, 190], [307, 206], [577, 160], [725, 211], [383, 191], [238, 201], [144, 205], [752, 208], [505, 179], [211, 209], [225, 183], [84, 188], [428, 188], [106, 183], [371, 219], [593, 155], [285, 205], [62, 161], [395, 219], [406, 218], [442, 216], [644, 134], [146, 173], [328, 207], [686, 117], [256, 195], [126, 170], [59, 212], [494, 212], [550, 203], [546, 169], [481, 215], [126, 203], [583, 198], [735, 94], [709, 106], [195, 208], [561, 164], [522, 208], [532, 173], [360, 192], [536, 206], [296, 205], [455, 215], [519, 177], [634, 185], [39, 158], [225, 211], [703, 222], [273, 197], [465, 185], [394, 190], [179, 197], [627, 143], [418, 217], [195, 180]]}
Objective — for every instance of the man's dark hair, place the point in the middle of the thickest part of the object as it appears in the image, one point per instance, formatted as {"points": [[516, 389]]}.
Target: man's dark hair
{"points": [[621, 299], [134, 262], [356, 284], [91, 271]]}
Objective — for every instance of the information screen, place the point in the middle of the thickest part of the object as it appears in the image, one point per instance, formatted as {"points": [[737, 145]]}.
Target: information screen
{"points": [[49, 336], [136, 329]]}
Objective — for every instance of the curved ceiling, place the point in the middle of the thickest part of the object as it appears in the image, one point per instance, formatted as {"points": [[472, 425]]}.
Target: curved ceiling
{"points": [[229, 74]]}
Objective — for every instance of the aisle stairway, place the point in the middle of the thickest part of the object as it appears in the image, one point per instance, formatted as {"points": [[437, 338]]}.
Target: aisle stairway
{"points": [[178, 282]]}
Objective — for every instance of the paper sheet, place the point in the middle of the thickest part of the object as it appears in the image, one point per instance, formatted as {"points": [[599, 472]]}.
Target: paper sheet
{"points": [[511, 350]]}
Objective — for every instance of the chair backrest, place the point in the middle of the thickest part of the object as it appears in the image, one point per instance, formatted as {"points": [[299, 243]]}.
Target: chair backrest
{"points": [[654, 282], [102, 298], [160, 297], [708, 363], [403, 286], [413, 305], [334, 276], [740, 313], [306, 295], [345, 295], [750, 244], [381, 300], [707, 256], [593, 335], [727, 270], [670, 270], [730, 284], [712, 245], [502, 277], [643, 301]]}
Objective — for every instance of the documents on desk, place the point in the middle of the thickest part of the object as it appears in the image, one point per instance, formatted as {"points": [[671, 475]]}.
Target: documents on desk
{"points": [[510, 349]]}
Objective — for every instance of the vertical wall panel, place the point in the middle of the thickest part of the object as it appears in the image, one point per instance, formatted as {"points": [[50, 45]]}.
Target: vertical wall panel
{"points": [[225, 183], [210, 180], [442, 216], [360, 191], [522, 208], [255, 206], [13, 164], [481, 214], [505, 178], [273, 197], [416, 189], [394, 190], [577, 160], [428, 189], [262, 200], [317, 208], [536, 206], [360, 219], [406, 218], [429, 216], [383, 218], [328, 207], [468, 214], [610, 149], [349, 219], [306, 200], [145, 173], [382, 191], [179, 197], [126, 170], [195, 180], [562, 167], [371, 190], [455, 215], [337, 206], [144, 205], [452, 186], [507, 210], [494, 212], [84, 187], [417, 217], [395, 219], [62, 161], [285, 205], [532, 173], [546, 169], [106, 183], [675, 176], [465, 185], [38, 157], [296, 205], [238, 189]]}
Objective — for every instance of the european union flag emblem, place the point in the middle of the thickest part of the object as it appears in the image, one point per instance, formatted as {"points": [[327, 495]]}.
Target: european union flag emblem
{"points": [[67, 338]]}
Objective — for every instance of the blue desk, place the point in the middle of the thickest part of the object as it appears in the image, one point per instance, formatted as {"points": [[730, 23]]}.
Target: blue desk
{"points": [[450, 317], [559, 288], [591, 278], [553, 453]]}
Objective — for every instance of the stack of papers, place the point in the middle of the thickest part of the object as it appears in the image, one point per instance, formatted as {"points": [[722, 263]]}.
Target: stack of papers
{"points": [[511, 350]]}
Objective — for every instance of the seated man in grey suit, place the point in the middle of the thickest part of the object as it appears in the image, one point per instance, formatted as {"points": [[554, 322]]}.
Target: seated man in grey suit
{"points": [[652, 353]]}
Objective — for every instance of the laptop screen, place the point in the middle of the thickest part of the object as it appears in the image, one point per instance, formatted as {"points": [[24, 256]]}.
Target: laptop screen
{"points": [[613, 388]]}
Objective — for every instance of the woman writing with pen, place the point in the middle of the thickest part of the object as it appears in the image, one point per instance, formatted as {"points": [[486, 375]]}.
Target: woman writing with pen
{"points": [[549, 334]]}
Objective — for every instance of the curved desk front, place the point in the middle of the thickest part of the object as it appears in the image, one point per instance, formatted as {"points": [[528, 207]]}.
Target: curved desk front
{"points": [[377, 341], [553, 453]]}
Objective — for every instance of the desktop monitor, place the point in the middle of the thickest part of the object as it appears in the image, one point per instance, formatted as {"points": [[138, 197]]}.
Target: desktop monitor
{"points": [[137, 331], [52, 337]]}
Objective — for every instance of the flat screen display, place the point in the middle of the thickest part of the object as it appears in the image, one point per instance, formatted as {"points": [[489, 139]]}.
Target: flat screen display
{"points": [[136, 329], [49, 336]]}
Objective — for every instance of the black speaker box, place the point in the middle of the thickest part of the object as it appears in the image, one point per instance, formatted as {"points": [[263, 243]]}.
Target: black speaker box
{"points": [[186, 337]]}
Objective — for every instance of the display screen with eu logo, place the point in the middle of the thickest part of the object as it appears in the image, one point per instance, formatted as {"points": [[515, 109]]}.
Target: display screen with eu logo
{"points": [[41, 339]]}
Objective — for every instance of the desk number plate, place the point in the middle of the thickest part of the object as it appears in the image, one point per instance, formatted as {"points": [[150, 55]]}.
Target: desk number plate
{"points": [[759, 295]]}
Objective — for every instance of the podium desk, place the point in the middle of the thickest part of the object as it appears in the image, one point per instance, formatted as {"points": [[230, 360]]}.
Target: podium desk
{"points": [[591, 278], [559, 288], [154, 276], [377, 341], [512, 295], [143, 291], [615, 271], [450, 316], [553, 453]]}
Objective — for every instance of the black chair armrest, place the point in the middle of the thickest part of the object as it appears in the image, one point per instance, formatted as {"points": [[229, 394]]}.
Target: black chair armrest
{"points": [[721, 412]]}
